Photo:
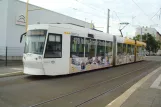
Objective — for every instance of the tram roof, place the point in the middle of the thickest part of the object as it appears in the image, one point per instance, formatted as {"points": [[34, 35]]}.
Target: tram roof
{"points": [[129, 41], [139, 43], [96, 33]]}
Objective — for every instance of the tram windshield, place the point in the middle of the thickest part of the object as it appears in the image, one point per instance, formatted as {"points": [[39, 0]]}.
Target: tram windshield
{"points": [[35, 40]]}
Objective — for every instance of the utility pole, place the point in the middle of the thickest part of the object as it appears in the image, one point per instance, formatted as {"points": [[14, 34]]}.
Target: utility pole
{"points": [[141, 36], [133, 19], [160, 14], [27, 8], [85, 22], [108, 20], [91, 26]]}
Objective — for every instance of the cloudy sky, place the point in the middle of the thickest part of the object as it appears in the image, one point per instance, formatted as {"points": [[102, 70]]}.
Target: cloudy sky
{"points": [[135, 12]]}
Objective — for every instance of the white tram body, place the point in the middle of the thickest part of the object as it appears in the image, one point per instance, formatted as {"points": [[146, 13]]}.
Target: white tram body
{"points": [[59, 49]]}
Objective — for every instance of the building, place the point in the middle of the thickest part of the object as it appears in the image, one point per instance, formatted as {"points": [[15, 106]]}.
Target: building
{"points": [[158, 36], [145, 30], [12, 24], [152, 31]]}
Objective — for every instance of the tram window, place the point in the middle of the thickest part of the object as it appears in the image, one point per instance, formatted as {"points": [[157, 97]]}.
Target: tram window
{"points": [[133, 49], [130, 49], [54, 46], [90, 35], [124, 48], [108, 48], [119, 48], [90, 47], [144, 51], [139, 50], [100, 47], [77, 47]]}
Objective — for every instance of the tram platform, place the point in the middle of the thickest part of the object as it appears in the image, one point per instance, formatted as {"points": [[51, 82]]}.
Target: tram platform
{"points": [[145, 93]]}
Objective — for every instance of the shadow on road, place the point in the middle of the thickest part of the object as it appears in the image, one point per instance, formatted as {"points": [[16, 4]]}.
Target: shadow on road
{"points": [[45, 77]]}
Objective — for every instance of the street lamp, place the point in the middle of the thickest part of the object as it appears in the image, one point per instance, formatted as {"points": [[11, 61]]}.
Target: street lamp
{"points": [[120, 29]]}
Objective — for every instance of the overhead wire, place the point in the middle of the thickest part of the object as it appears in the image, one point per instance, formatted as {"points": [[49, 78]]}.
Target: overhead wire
{"points": [[155, 14], [143, 11], [99, 10], [140, 8], [117, 15], [87, 12]]}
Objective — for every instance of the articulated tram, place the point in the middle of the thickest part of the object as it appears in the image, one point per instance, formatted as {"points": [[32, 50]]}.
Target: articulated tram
{"points": [[59, 49]]}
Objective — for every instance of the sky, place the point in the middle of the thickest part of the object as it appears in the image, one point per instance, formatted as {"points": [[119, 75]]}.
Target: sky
{"points": [[137, 13]]}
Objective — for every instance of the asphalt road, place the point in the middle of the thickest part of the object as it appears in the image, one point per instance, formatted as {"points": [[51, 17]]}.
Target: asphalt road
{"points": [[153, 58], [90, 89]]}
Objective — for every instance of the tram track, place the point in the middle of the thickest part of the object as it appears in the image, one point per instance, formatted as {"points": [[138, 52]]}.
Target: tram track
{"points": [[110, 90], [94, 85]]}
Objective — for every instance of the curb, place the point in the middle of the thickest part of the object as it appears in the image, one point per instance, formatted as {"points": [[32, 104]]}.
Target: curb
{"points": [[11, 74]]}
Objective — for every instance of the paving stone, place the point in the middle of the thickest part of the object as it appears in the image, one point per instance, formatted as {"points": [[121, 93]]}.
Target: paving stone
{"points": [[133, 102], [145, 96], [156, 102], [143, 104]]}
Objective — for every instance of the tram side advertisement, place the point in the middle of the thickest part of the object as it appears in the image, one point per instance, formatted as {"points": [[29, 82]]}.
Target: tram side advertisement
{"points": [[88, 54]]}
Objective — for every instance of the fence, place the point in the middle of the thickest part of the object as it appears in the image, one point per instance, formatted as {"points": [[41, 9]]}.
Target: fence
{"points": [[11, 56]]}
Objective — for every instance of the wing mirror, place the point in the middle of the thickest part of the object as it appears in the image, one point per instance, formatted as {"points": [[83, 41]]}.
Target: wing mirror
{"points": [[24, 34]]}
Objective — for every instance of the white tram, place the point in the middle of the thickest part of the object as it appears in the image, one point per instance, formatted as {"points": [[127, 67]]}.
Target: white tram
{"points": [[58, 49]]}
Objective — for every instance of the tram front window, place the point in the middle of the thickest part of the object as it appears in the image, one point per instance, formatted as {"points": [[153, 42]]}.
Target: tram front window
{"points": [[35, 40]]}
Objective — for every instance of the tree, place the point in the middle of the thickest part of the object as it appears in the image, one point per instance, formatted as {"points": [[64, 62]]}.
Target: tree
{"points": [[157, 45], [152, 44], [136, 38]]}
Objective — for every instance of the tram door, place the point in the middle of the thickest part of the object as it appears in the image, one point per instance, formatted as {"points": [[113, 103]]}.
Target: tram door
{"points": [[114, 50], [56, 57], [135, 55]]}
